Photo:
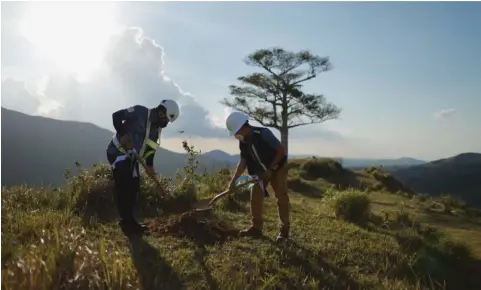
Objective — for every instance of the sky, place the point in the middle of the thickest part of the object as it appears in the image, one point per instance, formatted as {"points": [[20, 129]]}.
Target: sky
{"points": [[407, 76]]}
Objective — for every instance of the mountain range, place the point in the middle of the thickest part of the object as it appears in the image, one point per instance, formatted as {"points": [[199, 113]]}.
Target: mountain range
{"points": [[353, 163], [37, 150], [459, 176]]}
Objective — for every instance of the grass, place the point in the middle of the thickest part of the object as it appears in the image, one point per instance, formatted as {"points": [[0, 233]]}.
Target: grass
{"points": [[67, 238]]}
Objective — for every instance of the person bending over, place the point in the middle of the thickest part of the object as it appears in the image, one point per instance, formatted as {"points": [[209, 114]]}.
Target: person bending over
{"points": [[265, 157], [137, 137]]}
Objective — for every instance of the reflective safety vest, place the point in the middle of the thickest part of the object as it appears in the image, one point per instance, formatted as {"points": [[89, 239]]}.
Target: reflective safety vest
{"points": [[147, 142]]}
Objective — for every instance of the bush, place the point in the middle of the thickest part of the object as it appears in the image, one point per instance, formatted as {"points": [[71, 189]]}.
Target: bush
{"points": [[32, 199], [420, 197], [92, 192], [450, 203], [353, 206], [321, 168], [454, 249]]}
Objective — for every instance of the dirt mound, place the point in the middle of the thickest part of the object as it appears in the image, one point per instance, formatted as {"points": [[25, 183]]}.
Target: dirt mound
{"points": [[195, 226]]}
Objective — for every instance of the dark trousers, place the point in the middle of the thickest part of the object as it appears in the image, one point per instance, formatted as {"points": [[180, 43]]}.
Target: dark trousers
{"points": [[127, 188]]}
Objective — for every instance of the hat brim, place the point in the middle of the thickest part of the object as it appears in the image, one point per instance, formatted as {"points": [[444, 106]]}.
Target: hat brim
{"points": [[232, 133]]}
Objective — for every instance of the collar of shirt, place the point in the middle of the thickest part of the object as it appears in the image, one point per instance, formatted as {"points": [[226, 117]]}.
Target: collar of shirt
{"points": [[249, 136]]}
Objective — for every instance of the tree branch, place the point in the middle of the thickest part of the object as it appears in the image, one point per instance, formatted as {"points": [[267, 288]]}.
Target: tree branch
{"points": [[281, 85], [261, 115]]}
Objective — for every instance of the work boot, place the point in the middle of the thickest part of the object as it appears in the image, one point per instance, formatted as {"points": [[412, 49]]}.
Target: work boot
{"points": [[250, 232], [282, 237], [144, 229], [283, 234]]}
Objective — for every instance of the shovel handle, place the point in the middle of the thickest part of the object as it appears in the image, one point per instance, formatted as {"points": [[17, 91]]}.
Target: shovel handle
{"points": [[255, 180], [142, 162]]}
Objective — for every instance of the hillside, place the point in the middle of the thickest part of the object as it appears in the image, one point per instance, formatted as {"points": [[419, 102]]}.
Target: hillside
{"points": [[341, 239], [459, 176], [37, 150], [361, 162]]}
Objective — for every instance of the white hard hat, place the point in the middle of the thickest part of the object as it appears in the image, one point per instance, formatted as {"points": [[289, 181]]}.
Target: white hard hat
{"points": [[172, 109], [235, 121]]}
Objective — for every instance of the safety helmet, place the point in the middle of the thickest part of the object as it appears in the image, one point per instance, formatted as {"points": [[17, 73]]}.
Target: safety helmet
{"points": [[235, 121], [172, 110]]}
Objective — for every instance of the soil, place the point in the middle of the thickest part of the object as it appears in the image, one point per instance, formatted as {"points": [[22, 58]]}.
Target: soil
{"points": [[193, 225]]}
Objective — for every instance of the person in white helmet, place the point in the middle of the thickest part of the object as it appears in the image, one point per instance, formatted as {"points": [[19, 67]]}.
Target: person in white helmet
{"points": [[263, 156], [137, 131]]}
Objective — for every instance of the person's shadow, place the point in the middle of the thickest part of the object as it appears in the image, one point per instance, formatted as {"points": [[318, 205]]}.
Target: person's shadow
{"points": [[296, 255], [200, 254], [153, 271]]}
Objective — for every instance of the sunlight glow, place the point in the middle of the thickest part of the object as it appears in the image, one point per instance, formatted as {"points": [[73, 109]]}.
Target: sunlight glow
{"points": [[73, 35]]}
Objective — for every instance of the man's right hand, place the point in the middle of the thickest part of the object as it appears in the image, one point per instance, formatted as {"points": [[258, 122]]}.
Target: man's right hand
{"points": [[126, 142], [231, 185]]}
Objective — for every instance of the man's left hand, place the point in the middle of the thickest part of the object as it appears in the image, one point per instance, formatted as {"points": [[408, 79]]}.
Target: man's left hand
{"points": [[265, 175]]}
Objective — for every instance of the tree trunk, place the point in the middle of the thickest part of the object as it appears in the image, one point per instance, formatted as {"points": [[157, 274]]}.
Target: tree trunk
{"points": [[285, 138], [285, 128]]}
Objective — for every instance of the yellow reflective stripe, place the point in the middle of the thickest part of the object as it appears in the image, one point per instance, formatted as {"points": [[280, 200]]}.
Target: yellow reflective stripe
{"points": [[148, 154], [147, 133], [152, 144], [122, 150], [147, 142]]}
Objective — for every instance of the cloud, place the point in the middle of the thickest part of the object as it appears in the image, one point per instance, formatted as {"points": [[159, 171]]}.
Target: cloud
{"points": [[15, 96], [315, 131], [131, 73], [444, 114]]}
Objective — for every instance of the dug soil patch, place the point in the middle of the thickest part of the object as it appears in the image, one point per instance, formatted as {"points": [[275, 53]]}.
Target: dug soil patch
{"points": [[196, 226]]}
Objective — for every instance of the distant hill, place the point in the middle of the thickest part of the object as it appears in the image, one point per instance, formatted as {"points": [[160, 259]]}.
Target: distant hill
{"points": [[37, 150], [459, 176], [357, 163], [353, 163], [222, 156]]}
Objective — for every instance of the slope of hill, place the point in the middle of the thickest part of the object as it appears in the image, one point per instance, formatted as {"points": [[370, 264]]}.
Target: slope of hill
{"points": [[459, 176], [340, 239], [37, 150]]}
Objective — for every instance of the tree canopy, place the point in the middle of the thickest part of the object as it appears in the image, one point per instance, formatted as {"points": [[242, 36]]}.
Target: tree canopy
{"points": [[275, 97]]}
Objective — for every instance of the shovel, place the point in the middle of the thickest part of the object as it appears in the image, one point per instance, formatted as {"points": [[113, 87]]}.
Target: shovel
{"points": [[144, 165], [224, 193]]}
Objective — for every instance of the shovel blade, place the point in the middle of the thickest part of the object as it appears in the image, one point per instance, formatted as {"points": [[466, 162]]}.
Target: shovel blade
{"points": [[202, 205], [215, 198]]}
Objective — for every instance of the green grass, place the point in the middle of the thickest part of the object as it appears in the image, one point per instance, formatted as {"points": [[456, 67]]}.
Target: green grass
{"points": [[68, 239]]}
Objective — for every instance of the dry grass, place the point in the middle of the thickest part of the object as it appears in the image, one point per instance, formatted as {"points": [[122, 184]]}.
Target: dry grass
{"points": [[67, 239]]}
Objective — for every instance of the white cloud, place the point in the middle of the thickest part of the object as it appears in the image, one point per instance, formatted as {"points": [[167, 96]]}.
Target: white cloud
{"points": [[444, 114], [15, 96], [131, 73]]}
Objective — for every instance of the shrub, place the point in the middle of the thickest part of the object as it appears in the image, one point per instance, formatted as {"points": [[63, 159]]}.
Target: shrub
{"points": [[353, 206], [321, 168], [32, 199], [92, 192], [454, 249], [450, 203]]}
